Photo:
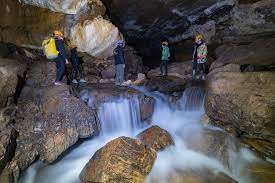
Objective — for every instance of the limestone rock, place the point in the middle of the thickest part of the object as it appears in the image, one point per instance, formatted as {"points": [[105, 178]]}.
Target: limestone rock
{"points": [[96, 94], [182, 70], [67, 6], [59, 121], [121, 160], [10, 70], [203, 175], [213, 143], [156, 138], [166, 84], [261, 172], [257, 53], [245, 101], [146, 107], [21, 24], [97, 37]]}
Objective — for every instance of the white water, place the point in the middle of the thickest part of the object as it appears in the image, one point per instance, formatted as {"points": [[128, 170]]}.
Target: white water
{"points": [[122, 118]]}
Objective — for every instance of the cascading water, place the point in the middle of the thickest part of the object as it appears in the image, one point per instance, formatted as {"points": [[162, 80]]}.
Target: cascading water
{"points": [[121, 117], [117, 117]]}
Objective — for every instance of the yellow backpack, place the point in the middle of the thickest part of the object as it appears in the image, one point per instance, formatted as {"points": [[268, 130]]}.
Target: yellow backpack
{"points": [[49, 48]]}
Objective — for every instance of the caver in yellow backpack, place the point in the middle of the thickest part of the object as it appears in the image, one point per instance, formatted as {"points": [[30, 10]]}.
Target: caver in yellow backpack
{"points": [[49, 48]]}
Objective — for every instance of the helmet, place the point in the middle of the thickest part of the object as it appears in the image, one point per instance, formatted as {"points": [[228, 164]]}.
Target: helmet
{"points": [[58, 33], [199, 36]]}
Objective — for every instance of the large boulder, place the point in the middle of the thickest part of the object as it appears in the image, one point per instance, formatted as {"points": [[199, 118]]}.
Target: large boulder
{"points": [[244, 101], [53, 122], [156, 138], [214, 143], [199, 175], [260, 172], [97, 37], [121, 160]]}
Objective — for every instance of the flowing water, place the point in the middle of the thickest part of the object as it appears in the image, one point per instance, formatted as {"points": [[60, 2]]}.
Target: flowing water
{"points": [[122, 117]]}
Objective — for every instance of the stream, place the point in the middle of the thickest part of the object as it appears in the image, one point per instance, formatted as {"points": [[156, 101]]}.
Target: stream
{"points": [[122, 118]]}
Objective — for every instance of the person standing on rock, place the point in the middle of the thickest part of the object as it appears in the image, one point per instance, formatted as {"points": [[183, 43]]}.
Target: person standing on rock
{"points": [[77, 67], [119, 63], [164, 58], [199, 57], [61, 60]]}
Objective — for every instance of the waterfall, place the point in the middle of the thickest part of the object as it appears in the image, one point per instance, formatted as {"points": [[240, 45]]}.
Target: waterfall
{"points": [[121, 116], [192, 99]]}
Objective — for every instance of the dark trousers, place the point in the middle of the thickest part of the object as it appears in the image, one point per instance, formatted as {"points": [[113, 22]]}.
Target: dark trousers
{"points": [[60, 69], [201, 67], [77, 69], [164, 65]]}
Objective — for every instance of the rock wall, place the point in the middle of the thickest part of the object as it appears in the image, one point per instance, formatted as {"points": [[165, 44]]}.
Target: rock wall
{"points": [[244, 101], [30, 23]]}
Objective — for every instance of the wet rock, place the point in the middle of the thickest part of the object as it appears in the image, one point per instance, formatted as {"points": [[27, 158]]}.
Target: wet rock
{"points": [[260, 172], [196, 176], [156, 138], [121, 160], [166, 84], [96, 94], [146, 107], [214, 143], [245, 101]]}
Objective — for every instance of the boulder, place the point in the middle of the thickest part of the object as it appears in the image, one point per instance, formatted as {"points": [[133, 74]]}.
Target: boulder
{"points": [[121, 160], [199, 175], [156, 138], [213, 143], [10, 70], [146, 107], [166, 84], [244, 101], [96, 37], [260, 172], [59, 121], [96, 94]]}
